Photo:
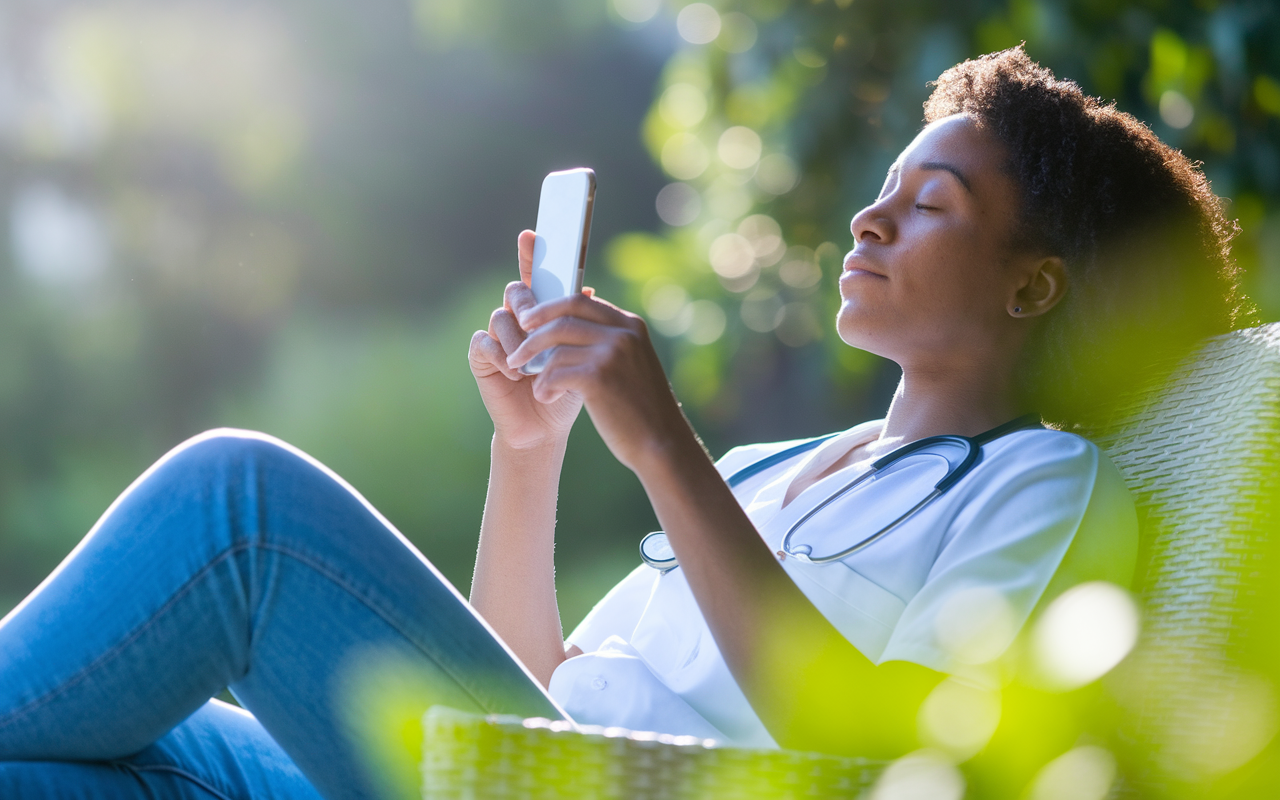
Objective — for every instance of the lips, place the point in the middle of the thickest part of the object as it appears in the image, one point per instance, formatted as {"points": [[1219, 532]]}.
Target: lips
{"points": [[856, 263]]}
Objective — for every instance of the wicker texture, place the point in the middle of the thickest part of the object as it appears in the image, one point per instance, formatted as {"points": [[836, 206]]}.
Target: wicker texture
{"points": [[467, 756], [1202, 458]]}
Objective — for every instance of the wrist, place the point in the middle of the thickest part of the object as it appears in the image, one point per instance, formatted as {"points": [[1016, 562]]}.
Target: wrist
{"points": [[530, 447], [670, 446]]}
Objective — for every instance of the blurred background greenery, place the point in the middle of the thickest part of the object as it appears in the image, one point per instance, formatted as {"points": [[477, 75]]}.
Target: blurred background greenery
{"points": [[291, 216]]}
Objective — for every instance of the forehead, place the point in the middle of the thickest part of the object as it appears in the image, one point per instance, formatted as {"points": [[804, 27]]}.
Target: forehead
{"points": [[960, 143]]}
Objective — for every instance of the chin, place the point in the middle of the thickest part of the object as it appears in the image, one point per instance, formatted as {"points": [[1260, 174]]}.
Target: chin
{"points": [[857, 330]]}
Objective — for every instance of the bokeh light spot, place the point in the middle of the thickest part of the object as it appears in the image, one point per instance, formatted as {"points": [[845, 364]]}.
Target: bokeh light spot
{"points": [[738, 32], [799, 325], [678, 204], [762, 310], [975, 625], [809, 57], [777, 174], [1084, 633], [728, 197], [1085, 773], [57, 239], [637, 11], [731, 255], [698, 23], [923, 775], [683, 105], [1176, 110], [959, 718], [685, 157], [1228, 721], [667, 307], [800, 268], [739, 147], [707, 324]]}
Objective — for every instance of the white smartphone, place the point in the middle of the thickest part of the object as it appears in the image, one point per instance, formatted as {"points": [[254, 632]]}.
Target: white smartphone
{"points": [[560, 250]]}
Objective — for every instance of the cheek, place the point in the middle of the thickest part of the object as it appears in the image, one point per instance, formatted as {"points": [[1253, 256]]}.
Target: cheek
{"points": [[943, 291]]}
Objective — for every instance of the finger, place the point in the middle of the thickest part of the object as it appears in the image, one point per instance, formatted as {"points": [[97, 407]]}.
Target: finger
{"points": [[568, 370], [504, 328], [576, 305], [518, 297], [524, 250], [573, 331], [487, 357], [588, 291]]}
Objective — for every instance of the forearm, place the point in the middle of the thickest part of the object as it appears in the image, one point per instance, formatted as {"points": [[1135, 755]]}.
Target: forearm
{"points": [[809, 685], [514, 583]]}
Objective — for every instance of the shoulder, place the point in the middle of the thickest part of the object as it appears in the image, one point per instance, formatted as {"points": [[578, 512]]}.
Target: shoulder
{"points": [[1041, 453], [1025, 457], [1065, 483]]}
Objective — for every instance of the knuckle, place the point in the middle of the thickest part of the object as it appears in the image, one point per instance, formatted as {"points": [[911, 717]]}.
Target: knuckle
{"points": [[636, 323]]}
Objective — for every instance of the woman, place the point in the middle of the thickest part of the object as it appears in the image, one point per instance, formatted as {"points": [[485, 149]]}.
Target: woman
{"points": [[1030, 251]]}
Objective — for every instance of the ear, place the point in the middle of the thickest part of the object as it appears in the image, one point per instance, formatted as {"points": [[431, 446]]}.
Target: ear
{"points": [[1043, 285]]}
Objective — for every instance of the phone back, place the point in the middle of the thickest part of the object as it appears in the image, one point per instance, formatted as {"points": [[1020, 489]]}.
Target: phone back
{"points": [[564, 223]]}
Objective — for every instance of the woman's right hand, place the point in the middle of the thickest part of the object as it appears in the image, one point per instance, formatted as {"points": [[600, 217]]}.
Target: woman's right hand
{"points": [[519, 420]]}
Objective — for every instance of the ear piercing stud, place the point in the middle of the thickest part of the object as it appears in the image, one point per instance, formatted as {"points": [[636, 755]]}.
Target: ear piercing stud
{"points": [[1017, 309]]}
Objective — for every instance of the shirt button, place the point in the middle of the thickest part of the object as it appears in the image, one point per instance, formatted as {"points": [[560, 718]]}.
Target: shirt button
{"points": [[599, 684], [781, 556]]}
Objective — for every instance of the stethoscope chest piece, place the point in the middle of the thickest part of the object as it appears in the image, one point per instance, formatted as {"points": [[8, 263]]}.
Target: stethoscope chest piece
{"points": [[656, 551]]}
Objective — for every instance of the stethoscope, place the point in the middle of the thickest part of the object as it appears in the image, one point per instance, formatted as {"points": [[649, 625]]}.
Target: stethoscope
{"points": [[961, 454]]}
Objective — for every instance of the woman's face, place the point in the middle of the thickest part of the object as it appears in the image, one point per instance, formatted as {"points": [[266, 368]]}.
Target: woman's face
{"points": [[931, 278]]}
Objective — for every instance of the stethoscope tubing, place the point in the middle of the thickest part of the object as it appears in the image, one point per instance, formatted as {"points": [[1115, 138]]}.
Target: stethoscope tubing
{"points": [[954, 474], [865, 543]]}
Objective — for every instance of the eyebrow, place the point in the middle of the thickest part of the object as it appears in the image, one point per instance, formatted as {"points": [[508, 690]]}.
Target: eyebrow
{"points": [[942, 165]]}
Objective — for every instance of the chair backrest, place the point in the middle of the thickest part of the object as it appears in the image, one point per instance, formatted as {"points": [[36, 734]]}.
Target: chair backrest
{"points": [[1202, 459]]}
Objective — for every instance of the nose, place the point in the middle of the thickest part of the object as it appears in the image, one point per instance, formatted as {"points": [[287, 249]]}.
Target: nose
{"points": [[874, 222]]}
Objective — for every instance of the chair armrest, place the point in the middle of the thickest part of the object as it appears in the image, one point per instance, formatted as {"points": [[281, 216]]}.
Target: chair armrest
{"points": [[470, 756]]}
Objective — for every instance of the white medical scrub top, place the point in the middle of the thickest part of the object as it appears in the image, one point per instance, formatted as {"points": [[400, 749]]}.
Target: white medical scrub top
{"points": [[1042, 511]]}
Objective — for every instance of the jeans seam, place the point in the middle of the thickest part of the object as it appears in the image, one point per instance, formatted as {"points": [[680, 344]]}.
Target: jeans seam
{"points": [[32, 705], [182, 773], [372, 605], [91, 667]]}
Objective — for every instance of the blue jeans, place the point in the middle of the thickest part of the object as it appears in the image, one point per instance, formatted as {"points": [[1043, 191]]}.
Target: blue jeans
{"points": [[239, 562]]}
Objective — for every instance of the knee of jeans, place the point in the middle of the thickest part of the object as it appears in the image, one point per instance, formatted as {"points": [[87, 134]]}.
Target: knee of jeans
{"points": [[223, 451]]}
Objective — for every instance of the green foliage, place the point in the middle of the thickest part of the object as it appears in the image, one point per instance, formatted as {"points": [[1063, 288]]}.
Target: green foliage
{"points": [[781, 133], [278, 215]]}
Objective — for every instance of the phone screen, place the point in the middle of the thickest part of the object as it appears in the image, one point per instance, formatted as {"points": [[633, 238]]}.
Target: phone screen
{"points": [[560, 249]]}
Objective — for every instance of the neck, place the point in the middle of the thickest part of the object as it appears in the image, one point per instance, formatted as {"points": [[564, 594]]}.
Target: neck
{"points": [[965, 401]]}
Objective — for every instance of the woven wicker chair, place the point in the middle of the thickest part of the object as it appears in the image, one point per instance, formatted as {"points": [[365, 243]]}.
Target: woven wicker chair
{"points": [[1202, 458]]}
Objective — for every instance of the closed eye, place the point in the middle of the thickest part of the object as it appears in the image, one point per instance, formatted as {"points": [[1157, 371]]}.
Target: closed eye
{"points": [[923, 207]]}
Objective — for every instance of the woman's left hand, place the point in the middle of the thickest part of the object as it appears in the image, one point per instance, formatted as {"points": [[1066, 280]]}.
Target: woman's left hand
{"points": [[604, 354]]}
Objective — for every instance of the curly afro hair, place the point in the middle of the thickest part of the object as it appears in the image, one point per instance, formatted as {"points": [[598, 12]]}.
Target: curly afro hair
{"points": [[1144, 240]]}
